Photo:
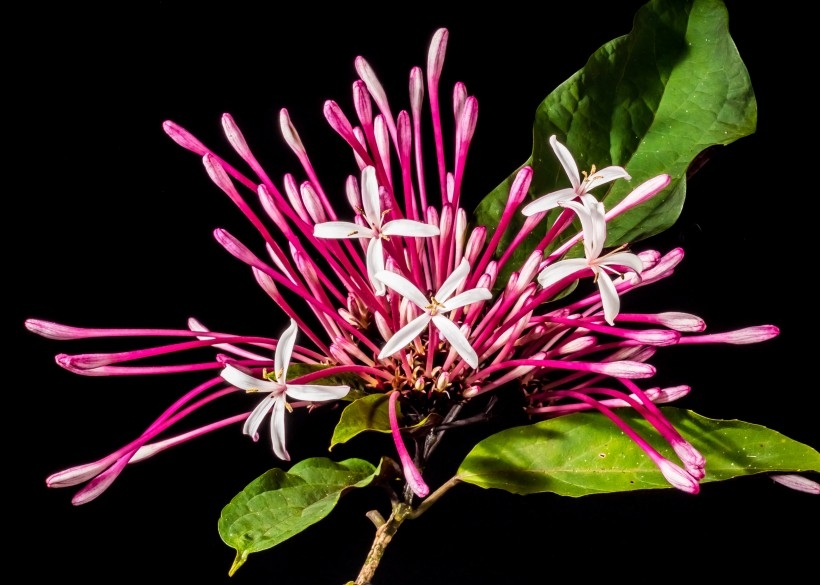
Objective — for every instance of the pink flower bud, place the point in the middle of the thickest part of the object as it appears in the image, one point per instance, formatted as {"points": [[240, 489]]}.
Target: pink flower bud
{"points": [[678, 477], [797, 482]]}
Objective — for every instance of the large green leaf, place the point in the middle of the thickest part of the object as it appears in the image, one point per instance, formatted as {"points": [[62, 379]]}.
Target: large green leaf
{"points": [[650, 101], [279, 504], [582, 454]]}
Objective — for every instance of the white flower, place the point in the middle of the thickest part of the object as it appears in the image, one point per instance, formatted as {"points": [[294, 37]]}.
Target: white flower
{"points": [[579, 187], [433, 308], [591, 213], [376, 232], [277, 389]]}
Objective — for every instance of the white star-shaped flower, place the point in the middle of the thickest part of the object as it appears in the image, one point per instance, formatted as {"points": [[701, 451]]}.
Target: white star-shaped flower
{"points": [[377, 231], [434, 309], [579, 187], [277, 388], [591, 213]]}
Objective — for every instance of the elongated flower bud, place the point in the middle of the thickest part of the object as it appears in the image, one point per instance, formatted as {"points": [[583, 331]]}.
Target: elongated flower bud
{"points": [[290, 134], [797, 482], [411, 472], [738, 337], [678, 477], [184, 138]]}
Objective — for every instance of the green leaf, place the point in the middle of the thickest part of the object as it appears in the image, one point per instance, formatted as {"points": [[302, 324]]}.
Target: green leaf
{"points": [[279, 504], [365, 414], [651, 101], [369, 413], [584, 453]]}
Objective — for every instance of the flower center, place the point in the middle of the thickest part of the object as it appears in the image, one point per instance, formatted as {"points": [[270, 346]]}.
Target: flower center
{"points": [[434, 307], [591, 175]]}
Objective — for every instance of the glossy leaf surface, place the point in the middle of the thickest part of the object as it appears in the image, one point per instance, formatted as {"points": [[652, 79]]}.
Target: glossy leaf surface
{"points": [[652, 101], [584, 453], [279, 504]]}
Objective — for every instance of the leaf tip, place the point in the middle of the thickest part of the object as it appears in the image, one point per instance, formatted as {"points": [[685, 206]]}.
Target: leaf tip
{"points": [[241, 557]]}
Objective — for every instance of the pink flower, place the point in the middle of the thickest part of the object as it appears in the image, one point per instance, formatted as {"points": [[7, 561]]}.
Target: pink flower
{"points": [[414, 309], [579, 187], [591, 213], [376, 231], [434, 309], [277, 389]]}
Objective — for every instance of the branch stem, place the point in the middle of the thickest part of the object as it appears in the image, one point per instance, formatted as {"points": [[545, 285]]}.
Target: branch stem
{"points": [[384, 534], [433, 498]]}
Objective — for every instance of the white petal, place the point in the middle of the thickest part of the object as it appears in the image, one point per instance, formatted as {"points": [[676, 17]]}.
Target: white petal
{"points": [[606, 175], [338, 230], [560, 270], [609, 297], [598, 217], [404, 287], [548, 201], [370, 196], [240, 379], [316, 392], [468, 297], [405, 335], [582, 211], [624, 259], [408, 227], [453, 335], [566, 160], [375, 264], [256, 417], [593, 224], [277, 429], [457, 276], [284, 349]]}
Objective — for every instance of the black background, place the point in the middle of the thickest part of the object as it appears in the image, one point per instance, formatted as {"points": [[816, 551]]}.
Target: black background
{"points": [[111, 226]]}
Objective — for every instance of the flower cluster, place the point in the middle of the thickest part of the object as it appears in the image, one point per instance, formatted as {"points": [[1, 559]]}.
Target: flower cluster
{"points": [[405, 298]]}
